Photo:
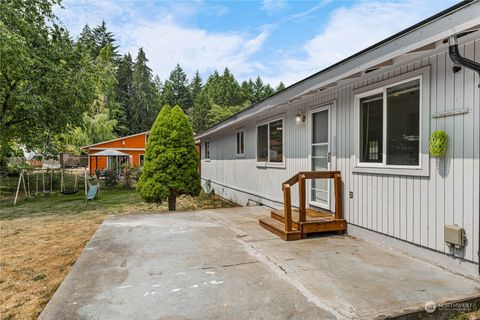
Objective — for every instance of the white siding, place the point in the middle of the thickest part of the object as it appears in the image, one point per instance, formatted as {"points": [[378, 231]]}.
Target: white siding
{"points": [[410, 208]]}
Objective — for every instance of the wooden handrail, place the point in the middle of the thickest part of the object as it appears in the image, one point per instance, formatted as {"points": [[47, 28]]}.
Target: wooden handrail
{"points": [[301, 178]]}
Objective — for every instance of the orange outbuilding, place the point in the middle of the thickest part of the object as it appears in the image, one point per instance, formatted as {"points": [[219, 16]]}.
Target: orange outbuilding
{"points": [[132, 147]]}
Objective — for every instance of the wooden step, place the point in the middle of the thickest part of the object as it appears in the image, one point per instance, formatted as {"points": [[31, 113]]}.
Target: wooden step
{"points": [[278, 215], [278, 228]]}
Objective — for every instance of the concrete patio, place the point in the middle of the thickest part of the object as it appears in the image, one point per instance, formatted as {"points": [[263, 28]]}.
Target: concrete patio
{"points": [[220, 264]]}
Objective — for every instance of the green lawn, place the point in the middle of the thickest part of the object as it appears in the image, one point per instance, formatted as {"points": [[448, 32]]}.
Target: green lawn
{"points": [[42, 237]]}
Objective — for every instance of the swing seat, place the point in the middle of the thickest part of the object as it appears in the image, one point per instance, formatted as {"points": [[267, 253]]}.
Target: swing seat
{"points": [[67, 192]]}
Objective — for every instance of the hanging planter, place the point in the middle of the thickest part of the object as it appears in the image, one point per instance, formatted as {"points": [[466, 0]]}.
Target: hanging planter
{"points": [[438, 143]]}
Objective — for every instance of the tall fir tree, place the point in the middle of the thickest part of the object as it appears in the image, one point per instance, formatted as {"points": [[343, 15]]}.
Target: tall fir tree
{"points": [[195, 86], [102, 38], [144, 101], [176, 90], [124, 92], [257, 90], [246, 91], [86, 41], [201, 116], [230, 90], [280, 87]]}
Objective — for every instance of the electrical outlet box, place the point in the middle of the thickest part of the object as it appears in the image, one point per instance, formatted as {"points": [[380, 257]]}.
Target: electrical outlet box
{"points": [[454, 236], [351, 194]]}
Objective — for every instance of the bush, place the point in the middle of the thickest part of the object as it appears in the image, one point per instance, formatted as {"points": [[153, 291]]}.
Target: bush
{"points": [[111, 178], [171, 160], [132, 174]]}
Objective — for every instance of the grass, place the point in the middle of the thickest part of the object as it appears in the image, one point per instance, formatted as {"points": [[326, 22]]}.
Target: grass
{"points": [[42, 237]]}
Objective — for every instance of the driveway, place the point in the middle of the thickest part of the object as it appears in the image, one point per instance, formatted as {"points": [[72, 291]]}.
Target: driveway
{"points": [[220, 264]]}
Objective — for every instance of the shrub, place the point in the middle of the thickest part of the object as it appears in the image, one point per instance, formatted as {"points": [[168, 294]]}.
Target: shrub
{"points": [[171, 161]]}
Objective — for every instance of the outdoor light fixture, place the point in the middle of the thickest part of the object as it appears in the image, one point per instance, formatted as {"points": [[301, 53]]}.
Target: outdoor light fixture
{"points": [[299, 118]]}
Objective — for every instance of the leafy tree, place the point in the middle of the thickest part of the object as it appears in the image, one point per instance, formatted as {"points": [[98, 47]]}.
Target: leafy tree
{"points": [[45, 80], [171, 160], [220, 113], [176, 91], [201, 115], [144, 102]]}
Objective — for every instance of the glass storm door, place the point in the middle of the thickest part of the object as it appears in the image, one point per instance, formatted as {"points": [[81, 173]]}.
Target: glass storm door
{"points": [[320, 188]]}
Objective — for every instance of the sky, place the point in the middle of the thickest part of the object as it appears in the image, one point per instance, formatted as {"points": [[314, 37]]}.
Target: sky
{"points": [[277, 40]]}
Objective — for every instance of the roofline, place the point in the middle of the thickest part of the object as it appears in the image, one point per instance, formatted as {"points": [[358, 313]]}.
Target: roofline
{"points": [[355, 55], [116, 139]]}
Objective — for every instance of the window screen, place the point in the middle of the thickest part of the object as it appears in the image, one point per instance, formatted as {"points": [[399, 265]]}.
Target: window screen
{"points": [[371, 128], [403, 123], [262, 143]]}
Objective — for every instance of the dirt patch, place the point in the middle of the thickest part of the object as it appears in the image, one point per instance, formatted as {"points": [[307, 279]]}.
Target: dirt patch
{"points": [[41, 239]]}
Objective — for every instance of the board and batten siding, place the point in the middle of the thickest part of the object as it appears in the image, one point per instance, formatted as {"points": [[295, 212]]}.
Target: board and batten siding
{"points": [[411, 208]]}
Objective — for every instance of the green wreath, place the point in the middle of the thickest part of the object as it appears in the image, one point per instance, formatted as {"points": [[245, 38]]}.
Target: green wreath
{"points": [[438, 143]]}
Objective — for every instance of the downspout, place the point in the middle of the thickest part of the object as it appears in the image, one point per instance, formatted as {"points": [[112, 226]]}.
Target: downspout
{"points": [[458, 60]]}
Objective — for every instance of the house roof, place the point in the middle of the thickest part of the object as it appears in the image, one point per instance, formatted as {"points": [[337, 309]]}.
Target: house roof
{"points": [[457, 18], [116, 139], [110, 153]]}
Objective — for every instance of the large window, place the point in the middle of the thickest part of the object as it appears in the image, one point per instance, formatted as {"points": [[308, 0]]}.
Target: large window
{"points": [[270, 142], [240, 143], [390, 125], [207, 150]]}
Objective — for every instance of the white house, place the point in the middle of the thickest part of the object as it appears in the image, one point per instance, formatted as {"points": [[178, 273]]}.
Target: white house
{"points": [[370, 117]]}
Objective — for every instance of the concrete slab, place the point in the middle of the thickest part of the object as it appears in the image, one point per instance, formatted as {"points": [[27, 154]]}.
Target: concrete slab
{"points": [[220, 264]]}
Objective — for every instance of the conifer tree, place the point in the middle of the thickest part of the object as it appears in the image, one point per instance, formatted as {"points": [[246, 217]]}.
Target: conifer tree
{"points": [[144, 98], [171, 160], [124, 92], [280, 87], [201, 115], [102, 38], [258, 89], [195, 86], [176, 92]]}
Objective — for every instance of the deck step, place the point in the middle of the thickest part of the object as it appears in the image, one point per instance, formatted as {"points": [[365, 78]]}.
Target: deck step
{"points": [[278, 215], [278, 228]]}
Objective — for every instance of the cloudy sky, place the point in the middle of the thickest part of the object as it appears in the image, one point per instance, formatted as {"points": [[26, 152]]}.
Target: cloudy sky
{"points": [[277, 40]]}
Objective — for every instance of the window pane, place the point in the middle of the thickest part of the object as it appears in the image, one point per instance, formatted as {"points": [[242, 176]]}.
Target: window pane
{"points": [[320, 127], [262, 143], [238, 142], [242, 142], [276, 143], [403, 125], [371, 128]]}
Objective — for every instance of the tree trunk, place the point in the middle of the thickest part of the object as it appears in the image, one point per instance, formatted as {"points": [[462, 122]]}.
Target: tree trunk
{"points": [[172, 203]]}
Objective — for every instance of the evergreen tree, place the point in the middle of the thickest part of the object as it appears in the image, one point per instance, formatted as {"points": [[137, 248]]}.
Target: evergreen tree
{"points": [[246, 91], [176, 91], [171, 160], [230, 90], [214, 87], [86, 40], [258, 90], [144, 101], [201, 115], [195, 86], [267, 91], [280, 87], [124, 92], [102, 37]]}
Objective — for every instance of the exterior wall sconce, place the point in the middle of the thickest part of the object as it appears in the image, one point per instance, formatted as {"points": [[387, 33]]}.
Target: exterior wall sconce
{"points": [[299, 118]]}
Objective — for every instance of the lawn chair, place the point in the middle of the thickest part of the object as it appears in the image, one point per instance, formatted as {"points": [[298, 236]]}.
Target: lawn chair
{"points": [[92, 192]]}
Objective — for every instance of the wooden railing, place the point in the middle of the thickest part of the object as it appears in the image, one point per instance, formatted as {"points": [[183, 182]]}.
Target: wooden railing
{"points": [[301, 178]]}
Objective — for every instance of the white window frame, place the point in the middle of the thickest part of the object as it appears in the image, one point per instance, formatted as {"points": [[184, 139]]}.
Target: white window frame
{"points": [[240, 155], [140, 159], [422, 169], [205, 150], [268, 163]]}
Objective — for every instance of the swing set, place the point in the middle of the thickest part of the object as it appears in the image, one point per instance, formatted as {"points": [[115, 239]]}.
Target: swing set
{"points": [[44, 181]]}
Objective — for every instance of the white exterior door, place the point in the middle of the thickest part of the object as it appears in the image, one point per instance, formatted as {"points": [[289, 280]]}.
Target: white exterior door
{"points": [[320, 156]]}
